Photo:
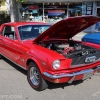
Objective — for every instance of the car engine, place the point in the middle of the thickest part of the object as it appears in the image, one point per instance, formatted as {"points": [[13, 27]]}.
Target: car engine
{"points": [[78, 52]]}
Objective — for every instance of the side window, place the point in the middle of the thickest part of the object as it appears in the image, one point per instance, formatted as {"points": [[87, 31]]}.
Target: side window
{"points": [[9, 32]]}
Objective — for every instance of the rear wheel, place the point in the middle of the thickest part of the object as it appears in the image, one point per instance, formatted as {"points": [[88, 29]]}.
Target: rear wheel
{"points": [[35, 78]]}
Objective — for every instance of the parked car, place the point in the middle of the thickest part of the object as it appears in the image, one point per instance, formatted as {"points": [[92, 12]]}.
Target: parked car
{"points": [[93, 38], [49, 53]]}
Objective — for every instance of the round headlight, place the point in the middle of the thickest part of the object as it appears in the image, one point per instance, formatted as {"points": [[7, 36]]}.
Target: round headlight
{"points": [[56, 64]]}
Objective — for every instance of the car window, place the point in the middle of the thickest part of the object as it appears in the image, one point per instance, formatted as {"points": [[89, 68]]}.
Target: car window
{"points": [[31, 31], [9, 32], [25, 28]]}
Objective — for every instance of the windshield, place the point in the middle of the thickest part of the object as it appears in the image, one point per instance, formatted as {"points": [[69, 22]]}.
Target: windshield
{"points": [[31, 31]]}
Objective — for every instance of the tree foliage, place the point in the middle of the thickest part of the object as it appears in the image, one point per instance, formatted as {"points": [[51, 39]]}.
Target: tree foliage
{"points": [[17, 1], [4, 18], [14, 10], [21, 1]]}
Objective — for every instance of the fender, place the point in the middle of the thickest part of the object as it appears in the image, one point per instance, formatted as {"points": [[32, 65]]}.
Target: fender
{"points": [[41, 65]]}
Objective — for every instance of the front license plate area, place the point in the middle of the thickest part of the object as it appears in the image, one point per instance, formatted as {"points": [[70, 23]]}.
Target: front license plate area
{"points": [[87, 75]]}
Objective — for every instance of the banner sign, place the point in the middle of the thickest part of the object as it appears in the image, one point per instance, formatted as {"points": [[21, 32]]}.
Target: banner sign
{"points": [[55, 12], [33, 7]]}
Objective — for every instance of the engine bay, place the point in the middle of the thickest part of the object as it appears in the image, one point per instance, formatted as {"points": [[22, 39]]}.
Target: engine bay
{"points": [[71, 48], [74, 50]]}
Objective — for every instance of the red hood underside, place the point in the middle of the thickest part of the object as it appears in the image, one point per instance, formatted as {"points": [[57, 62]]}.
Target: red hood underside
{"points": [[67, 28]]}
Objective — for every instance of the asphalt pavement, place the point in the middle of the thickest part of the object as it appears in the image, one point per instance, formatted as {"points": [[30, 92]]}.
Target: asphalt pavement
{"points": [[14, 86]]}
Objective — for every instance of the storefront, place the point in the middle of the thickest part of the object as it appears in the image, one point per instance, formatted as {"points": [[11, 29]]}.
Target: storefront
{"points": [[97, 26], [53, 12]]}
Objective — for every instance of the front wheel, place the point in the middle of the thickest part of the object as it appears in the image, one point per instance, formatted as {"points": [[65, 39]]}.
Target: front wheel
{"points": [[35, 78], [0, 56]]}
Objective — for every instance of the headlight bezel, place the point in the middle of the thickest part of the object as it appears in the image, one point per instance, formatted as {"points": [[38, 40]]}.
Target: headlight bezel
{"points": [[56, 64]]}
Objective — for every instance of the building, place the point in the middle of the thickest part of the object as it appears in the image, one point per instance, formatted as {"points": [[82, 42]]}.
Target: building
{"points": [[55, 10]]}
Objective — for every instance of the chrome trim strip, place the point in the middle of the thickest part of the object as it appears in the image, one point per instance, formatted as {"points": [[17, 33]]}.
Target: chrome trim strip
{"points": [[55, 76], [14, 62]]}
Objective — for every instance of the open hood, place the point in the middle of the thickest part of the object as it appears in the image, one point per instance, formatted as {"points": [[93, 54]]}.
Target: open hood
{"points": [[67, 28]]}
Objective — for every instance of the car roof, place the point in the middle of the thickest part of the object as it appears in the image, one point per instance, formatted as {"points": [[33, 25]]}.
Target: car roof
{"points": [[25, 23]]}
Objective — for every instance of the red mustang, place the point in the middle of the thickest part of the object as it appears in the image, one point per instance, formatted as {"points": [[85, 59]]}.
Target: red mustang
{"points": [[49, 53]]}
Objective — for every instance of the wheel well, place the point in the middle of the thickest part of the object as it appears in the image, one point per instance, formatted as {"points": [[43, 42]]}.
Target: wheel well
{"points": [[30, 60]]}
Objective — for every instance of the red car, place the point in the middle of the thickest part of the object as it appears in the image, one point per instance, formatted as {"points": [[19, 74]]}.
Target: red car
{"points": [[49, 53]]}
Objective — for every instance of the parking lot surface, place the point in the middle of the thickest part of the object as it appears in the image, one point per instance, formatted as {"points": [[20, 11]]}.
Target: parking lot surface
{"points": [[14, 85]]}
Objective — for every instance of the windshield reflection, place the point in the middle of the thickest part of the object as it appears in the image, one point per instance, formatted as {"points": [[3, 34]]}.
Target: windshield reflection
{"points": [[31, 31]]}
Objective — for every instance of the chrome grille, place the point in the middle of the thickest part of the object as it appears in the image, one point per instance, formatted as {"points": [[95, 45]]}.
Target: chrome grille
{"points": [[81, 60]]}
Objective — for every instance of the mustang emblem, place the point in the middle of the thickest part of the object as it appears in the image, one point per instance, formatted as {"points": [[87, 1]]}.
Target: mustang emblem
{"points": [[90, 59]]}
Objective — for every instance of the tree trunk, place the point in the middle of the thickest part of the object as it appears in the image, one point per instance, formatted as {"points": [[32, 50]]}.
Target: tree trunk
{"points": [[14, 11]]}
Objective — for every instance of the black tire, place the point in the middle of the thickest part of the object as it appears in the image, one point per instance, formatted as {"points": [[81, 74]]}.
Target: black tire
{"points": [[35, 78], [0, 56]]}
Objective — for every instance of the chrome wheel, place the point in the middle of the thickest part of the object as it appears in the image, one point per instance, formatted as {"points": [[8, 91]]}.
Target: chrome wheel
{"points": [[34, 76]]}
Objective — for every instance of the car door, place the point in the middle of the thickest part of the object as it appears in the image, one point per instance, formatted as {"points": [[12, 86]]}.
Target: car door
{"points": [[11, 47], [7, 42]]}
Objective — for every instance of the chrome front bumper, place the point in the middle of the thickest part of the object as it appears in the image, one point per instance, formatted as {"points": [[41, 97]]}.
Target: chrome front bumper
{"points": [[87, 73]]}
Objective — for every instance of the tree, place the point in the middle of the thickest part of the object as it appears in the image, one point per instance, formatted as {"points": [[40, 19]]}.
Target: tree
{"points": [[14, 9], [21, 1]]}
